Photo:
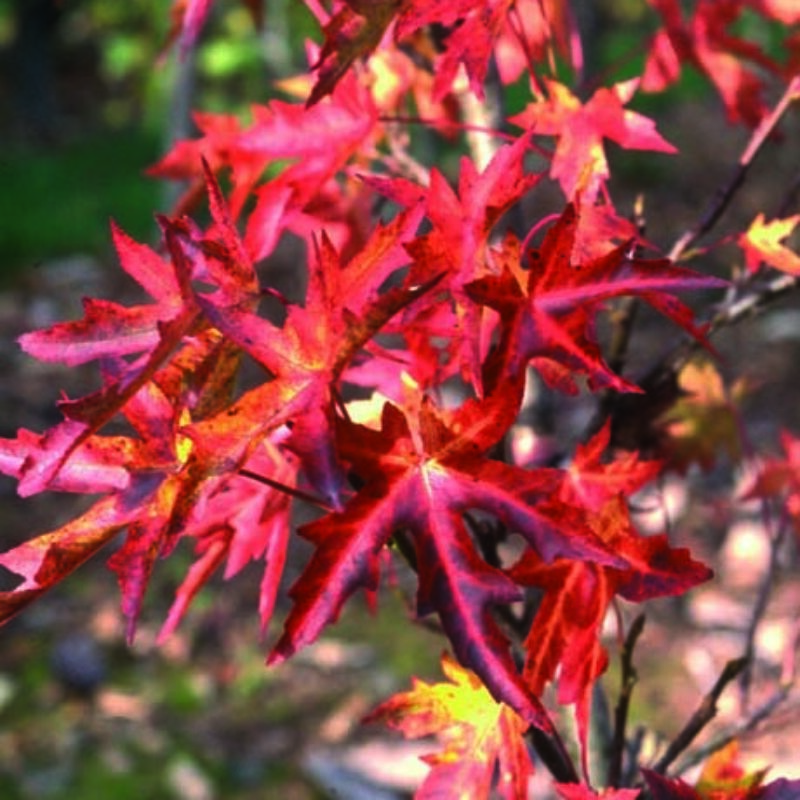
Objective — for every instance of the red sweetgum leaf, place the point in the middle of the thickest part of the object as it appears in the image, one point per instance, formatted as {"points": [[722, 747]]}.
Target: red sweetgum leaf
{"points": [[97, 465], [470, 44], [421, 472], [174, 320], [144, 475], [565, 633], [242, 521], [472, 29], [89, 414], [342, 312], [601, 229], [462, 222], [357, 27], [146, 540], [110, 335], [481, 737], [550, 323], [45, 560], [591, 482], [228, 516], [109, 329], [579, 162], [192, 491], [313, 145], [195, 366]]}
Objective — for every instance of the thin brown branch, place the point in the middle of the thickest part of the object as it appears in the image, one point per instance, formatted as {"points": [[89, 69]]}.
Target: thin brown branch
{"points": [[602, 730], [292, 491], [628, 679], [790, 198], [487, 114], [721, 200], [758, 611], [624, 315], [789, 661], [400, 160], [660, 383], [432, 122], [758, 715], [753, 302], [704, 713], [632, 415], [755, 718]]}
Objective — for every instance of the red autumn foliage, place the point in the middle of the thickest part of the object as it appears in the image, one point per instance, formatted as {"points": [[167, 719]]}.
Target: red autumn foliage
{"points": [[444, 293]]}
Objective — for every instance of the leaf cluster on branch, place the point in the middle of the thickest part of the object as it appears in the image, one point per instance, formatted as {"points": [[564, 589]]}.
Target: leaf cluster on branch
{"points": [[390, 396]]}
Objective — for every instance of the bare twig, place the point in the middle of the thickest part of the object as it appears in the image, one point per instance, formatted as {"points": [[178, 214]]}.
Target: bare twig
{"points": [[400, 161], [726, 193], [632, 415], [740, 308], [758, 714], [754, 719], [602, 729], [758, 610], [704, 713], [290, 490], [487, 114], [628, 680]]}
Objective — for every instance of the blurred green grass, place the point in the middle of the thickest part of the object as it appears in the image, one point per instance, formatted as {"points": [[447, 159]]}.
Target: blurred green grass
{"points": [[59, 201]]}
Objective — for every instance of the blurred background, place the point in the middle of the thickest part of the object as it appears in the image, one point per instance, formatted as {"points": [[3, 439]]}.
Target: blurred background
{"points": [[88, 100]]}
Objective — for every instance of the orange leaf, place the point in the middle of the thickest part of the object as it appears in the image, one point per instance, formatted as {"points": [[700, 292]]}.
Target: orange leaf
{"points": [[724, 779], [762, 244], [703, 423]]}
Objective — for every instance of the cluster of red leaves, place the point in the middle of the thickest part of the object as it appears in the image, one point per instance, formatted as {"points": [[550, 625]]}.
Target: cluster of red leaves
{"points": [[434, 298]]}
